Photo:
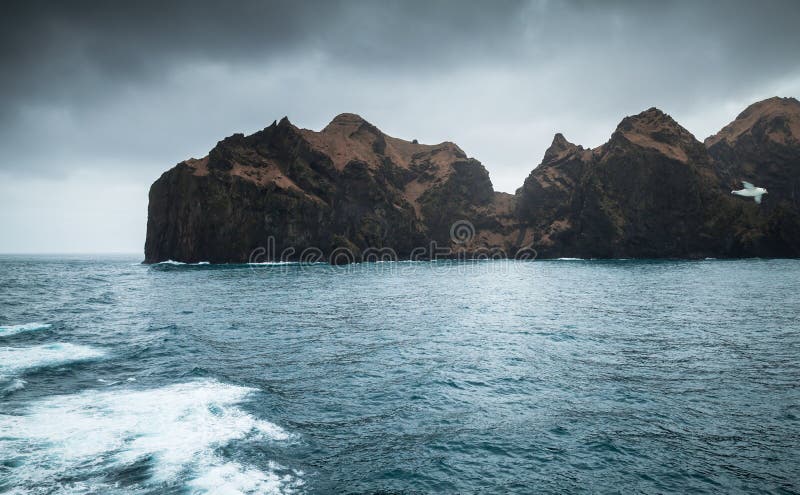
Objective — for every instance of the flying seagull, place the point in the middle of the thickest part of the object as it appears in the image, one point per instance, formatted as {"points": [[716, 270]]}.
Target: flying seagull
{"points": [[751, 191]]}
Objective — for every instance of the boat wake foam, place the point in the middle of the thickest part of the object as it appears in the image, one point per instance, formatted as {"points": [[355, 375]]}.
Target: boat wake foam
{"points": [[169, 436]]}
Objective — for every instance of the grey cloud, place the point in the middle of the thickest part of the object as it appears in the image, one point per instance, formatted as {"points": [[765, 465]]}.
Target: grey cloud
{"points": [[56, 49], [78, 51]]}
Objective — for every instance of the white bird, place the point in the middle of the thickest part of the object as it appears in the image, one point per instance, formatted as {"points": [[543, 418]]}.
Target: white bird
{"points": [[751, 191]]}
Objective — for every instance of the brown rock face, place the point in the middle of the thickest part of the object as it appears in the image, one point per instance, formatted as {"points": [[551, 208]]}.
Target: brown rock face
{"points": [[348, 186], [762, 146], [652, 190], [642, 194]]}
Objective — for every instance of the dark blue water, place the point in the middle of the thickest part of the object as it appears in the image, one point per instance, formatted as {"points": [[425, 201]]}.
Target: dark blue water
{"points": [[485, 377]]}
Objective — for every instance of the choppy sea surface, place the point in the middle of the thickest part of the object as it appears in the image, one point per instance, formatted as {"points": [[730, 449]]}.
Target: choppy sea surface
{"points": [[446, 377]]}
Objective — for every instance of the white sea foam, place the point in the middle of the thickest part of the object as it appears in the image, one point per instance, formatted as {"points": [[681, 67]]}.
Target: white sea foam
{"points": [[173, 262], [25, 327], [570, 259], [233, 478], [174, 430], [14, 360]]}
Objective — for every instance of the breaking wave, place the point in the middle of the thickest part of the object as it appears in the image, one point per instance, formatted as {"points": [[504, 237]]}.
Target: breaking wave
{"points": [[14, 360], [13, 386], [25, 327]]}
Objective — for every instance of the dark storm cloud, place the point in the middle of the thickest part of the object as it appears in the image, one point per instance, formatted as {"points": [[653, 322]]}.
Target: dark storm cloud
{"points": [[63, 50], [80, 51]]}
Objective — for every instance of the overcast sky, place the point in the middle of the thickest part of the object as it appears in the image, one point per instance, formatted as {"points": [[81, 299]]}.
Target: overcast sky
{"points": [[97, 99]]}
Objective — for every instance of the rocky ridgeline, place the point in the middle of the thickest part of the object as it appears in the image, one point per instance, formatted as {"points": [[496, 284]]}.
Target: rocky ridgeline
{"points": [[652, 191]]}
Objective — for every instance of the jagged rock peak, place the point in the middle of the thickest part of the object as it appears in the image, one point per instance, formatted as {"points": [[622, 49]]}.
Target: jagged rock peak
{"points": [[656, 130], [648, 122], [560, 141], [348, 123], [559, 148], [450, 146], [778, 119], [348, 118], [774, 105]]}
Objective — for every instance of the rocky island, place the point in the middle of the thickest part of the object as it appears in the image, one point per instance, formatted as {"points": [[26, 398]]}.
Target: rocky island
{"points": [[652, 191]]}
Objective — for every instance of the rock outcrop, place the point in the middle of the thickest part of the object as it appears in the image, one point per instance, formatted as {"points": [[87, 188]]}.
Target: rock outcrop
{"points": [[762, 146], [653, 190], [348, 186], [645, 193]]}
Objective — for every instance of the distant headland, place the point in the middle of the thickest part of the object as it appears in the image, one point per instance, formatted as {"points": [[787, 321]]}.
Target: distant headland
{"points": [[652, 191]]}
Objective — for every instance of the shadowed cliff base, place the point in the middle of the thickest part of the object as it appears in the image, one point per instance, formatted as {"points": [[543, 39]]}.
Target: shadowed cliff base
{"points": [[652, 191]]}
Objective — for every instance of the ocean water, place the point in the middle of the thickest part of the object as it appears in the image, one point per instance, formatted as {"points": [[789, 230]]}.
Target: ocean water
{"points": [[447, 377]]}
